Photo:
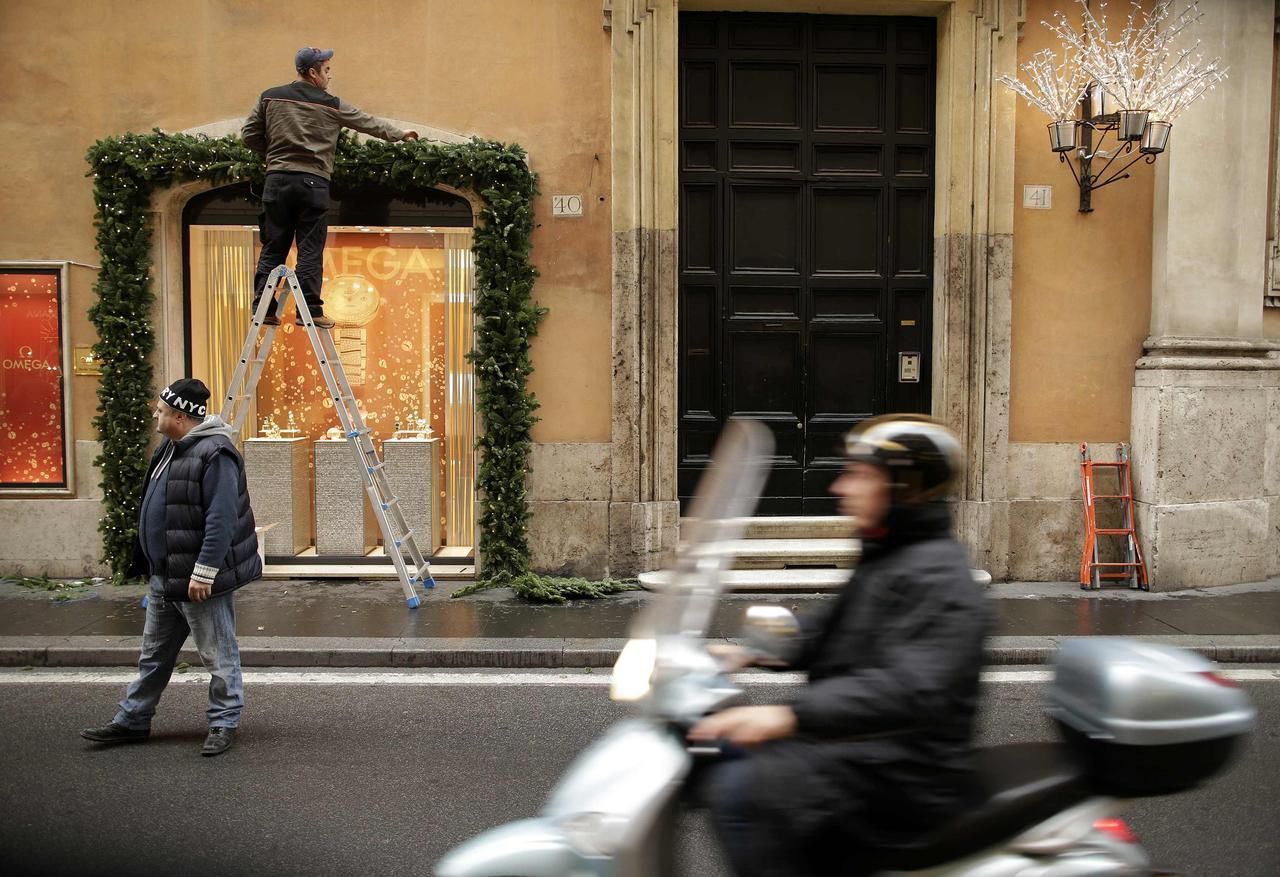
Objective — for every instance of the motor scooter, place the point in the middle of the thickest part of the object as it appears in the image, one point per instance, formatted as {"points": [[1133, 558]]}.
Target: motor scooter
{"points": [[1137, 720]]}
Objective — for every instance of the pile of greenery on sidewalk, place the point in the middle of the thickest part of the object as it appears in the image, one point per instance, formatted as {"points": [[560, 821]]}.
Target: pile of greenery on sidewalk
{"points": [[60, 589], [540, 588]]}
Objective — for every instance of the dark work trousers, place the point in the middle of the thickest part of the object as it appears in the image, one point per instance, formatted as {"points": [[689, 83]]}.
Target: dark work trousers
{"points": [[294, 205], [754, 838], [751, 849]]}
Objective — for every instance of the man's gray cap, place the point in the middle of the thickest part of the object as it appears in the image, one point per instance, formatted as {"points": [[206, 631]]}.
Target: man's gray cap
{"points": [[310, 57]]}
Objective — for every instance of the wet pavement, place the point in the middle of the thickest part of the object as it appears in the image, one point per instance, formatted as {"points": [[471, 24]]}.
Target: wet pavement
{"points": [[343, 609]]}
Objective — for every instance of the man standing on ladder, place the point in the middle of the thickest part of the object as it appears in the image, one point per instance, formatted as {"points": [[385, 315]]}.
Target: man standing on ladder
{"points": [[296, 128]]}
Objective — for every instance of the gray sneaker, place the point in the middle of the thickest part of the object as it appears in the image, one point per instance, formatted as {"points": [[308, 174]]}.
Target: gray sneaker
{"points": [[218, 741], [114, 733]]}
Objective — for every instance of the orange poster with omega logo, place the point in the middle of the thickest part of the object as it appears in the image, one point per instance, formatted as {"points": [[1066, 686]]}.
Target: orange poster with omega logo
{"points": [[31, 434]]}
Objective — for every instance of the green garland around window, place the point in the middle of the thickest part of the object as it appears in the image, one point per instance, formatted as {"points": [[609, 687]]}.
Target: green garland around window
{"points": [[128, 169]]}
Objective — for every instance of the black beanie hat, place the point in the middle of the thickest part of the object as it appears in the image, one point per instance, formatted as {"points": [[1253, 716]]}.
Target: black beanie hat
{"points": [[188, 395]]}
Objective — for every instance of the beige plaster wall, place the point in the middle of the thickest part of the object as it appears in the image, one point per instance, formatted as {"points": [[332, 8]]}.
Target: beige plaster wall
{"points": [[532, 73], [1081, 285]]}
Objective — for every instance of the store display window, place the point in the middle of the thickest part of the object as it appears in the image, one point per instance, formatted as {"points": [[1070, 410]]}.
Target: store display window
{"points": [[401, 297], [34, 442]]}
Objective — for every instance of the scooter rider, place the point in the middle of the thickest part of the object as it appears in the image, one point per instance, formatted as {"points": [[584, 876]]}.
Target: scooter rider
{"points": [[875, 752]]}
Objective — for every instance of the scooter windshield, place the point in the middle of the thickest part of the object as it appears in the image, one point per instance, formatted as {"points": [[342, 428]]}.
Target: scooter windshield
{"points": [[725, 497]]}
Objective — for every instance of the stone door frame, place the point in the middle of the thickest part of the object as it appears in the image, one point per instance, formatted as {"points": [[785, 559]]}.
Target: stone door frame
{"points": [[973, 257]]}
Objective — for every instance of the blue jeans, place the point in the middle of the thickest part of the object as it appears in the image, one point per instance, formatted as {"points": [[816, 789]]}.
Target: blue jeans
{"points": [[213, 625]]}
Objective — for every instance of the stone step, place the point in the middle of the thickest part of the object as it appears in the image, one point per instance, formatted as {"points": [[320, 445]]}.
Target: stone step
{"points": [[784, 553], [770, 580], [798, 527], [764, 580]]}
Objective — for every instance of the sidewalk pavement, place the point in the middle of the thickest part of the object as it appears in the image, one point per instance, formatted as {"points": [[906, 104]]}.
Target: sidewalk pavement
{"points": [[315, 623]]}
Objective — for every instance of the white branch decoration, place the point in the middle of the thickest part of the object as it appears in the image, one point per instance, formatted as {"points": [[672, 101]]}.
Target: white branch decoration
{"points": [[1054, 89], [1142, 69]]}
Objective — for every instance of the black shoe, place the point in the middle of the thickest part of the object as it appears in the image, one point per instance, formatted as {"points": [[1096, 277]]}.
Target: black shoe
{"points": [[218, 741], [320, 320], [114, 733]]}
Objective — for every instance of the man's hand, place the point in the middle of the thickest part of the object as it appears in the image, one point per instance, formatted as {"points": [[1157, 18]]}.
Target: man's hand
{"points": [[410, 135], [747, 725], [199, 591]]}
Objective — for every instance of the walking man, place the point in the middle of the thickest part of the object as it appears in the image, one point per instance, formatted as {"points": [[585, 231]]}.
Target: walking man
{"points": [[196, 542], [296, 128]]}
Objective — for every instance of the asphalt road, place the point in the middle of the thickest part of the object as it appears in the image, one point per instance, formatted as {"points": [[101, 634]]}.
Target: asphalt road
{"points": [[375, 779]]}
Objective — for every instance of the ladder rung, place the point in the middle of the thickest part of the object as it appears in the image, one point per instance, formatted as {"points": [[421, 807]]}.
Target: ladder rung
{"points": [[1112, 496], [395, 500], [1123, 531], [357, 433], [373, 469], [407, 537], [1121, 563]]}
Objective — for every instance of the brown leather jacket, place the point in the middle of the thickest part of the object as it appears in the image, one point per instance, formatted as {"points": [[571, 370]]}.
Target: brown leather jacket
{"points": [[296, 127]]}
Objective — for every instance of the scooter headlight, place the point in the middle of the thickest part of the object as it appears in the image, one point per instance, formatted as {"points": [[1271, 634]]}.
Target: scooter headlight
{"points": [[633, 671], [595, 834]]}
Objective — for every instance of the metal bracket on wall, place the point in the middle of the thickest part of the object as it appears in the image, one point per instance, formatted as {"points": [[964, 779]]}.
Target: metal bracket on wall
{"points": [[1086, 179]]}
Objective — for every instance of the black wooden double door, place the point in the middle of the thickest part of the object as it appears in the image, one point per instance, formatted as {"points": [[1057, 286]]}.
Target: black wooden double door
{"points": [[806, 235]]}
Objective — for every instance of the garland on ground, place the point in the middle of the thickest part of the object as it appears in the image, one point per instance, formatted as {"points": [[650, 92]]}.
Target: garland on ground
{"points": [[539, 588], [127, 169]]}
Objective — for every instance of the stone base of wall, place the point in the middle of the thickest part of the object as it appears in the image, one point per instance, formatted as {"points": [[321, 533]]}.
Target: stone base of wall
{"points": [[1205, 544], [56, 537], [1206, 437], [568, 498], [642, 536], [1273, 538], [569, 538], [1037, 534]]}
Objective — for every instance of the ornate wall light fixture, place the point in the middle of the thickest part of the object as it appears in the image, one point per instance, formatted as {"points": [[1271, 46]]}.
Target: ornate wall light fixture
{"points": [[1131, 87]]}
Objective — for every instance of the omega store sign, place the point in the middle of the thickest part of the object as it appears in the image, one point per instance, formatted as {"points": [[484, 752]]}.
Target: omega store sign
{"points": [[33, 404]]}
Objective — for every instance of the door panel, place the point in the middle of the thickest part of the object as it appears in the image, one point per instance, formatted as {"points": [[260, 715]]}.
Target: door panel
{"points": [[806, 234], [846, 231], [848, 98], [765, 229], [764, 95]]}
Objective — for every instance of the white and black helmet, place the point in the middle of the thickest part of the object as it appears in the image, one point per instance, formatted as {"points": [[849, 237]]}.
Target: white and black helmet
{"points": [[923, 458]]}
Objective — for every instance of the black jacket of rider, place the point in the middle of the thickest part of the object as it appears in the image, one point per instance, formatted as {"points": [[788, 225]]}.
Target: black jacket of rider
{"points": [[885, 723]]}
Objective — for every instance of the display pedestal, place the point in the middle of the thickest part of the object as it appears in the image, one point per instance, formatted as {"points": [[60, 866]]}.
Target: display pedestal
{"points": [[344, 522], [412, 468], [279, 486]]}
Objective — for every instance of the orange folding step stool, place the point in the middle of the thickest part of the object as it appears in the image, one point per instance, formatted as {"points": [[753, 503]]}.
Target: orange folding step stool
{"points": [[1093, 572]]}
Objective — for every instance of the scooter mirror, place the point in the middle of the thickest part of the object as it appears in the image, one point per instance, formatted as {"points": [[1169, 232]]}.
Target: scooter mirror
{"points": [[772, 631]]}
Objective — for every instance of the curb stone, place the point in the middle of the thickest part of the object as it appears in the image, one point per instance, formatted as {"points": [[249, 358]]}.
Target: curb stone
{"points": [[519, 653]]}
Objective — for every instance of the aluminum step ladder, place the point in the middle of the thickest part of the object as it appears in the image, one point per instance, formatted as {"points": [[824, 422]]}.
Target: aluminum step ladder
{"points": [[398, 539]]}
